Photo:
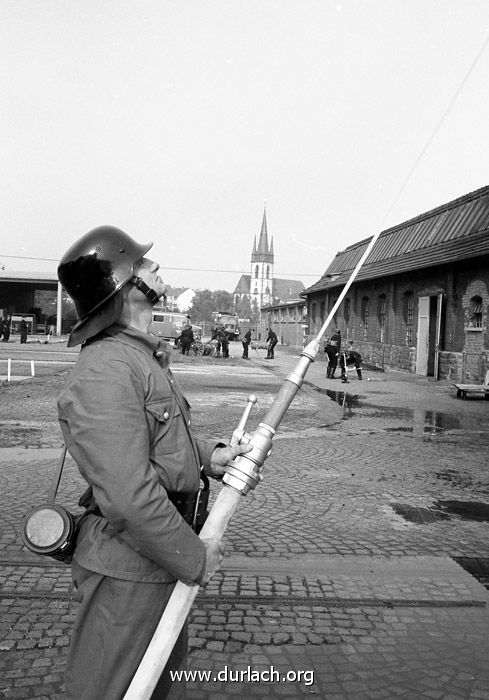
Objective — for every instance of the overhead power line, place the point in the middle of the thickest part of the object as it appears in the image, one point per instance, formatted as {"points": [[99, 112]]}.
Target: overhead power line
{"points": [[182, 269]]}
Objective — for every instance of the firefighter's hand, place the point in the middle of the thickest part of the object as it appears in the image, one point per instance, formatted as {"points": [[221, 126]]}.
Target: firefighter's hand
{"points": [[222, 456], [214, 554]]}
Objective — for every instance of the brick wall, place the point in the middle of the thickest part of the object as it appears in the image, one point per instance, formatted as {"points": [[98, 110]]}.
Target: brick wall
{"points": [[463, 350]]}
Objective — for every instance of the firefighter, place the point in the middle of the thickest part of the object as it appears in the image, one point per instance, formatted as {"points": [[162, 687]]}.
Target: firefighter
{"points": [[23, 330], [272, 341], [350, 357], [186, 339], [126, 422], [223, 341], [332, 350]]}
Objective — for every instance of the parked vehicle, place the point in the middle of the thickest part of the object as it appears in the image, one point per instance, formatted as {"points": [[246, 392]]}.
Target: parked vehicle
{"points": [[30, 319], [229, 321], [168, 325]]}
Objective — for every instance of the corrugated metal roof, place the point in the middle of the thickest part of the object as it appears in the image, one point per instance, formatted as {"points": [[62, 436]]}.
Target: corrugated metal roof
{"points": [[459, 229]]}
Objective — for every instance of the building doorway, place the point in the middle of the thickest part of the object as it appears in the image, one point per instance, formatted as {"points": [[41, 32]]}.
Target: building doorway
{"points": [[429, 331]]}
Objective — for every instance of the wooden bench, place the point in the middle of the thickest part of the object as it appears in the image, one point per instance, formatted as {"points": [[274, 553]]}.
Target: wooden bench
{"points": [[464, 389]]}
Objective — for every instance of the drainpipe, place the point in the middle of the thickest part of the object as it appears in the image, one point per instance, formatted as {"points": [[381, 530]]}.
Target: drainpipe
{"points": [[59, 310]]}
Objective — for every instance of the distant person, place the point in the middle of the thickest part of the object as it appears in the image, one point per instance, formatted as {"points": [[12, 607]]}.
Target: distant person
{"points": [[23, 330], [246, 344], [223, 342], [332, 350], [350, 357], [6, 328], [186, 339], [272, 340]]}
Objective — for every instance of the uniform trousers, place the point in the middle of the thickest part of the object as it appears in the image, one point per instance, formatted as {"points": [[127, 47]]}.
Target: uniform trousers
{"points": [[114, 625]]}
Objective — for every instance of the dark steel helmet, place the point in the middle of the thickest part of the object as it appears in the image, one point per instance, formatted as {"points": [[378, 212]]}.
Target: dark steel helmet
{"points": [[94, 269]]}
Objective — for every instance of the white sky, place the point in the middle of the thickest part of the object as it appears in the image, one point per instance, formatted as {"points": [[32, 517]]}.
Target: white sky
{"points": [[177, 119]]}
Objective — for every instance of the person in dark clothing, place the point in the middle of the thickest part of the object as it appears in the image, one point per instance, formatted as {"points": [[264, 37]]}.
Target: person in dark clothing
{"points": [[7, 322], [126, 424], [350, 357], [332, 350], [246, 344], [223, 342], [2, 327], [186, 339], [23, 330], [272, 340]]}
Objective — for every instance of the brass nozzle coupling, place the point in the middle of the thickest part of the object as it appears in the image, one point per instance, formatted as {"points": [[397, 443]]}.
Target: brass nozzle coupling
{"points": [[244, 474]]}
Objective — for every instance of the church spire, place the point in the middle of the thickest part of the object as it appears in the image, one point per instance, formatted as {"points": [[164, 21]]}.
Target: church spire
{"points": [[264, 252]]}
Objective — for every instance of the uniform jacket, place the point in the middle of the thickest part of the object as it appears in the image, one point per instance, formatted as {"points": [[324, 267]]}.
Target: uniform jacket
{"points": [[353, 357], [126, 424], [333, 344]]}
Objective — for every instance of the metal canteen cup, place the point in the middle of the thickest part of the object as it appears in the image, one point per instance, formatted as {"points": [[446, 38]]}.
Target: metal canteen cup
{"points": [[49, 529]]}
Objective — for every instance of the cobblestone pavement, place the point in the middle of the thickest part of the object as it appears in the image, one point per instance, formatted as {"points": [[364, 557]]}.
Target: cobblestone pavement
{"points": [[343, 565]]}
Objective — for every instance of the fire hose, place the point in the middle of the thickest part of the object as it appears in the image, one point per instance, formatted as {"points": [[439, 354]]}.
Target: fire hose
{"points": [[245, 471], [241, 476]]}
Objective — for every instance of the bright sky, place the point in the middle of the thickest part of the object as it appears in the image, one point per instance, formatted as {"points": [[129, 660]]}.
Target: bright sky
{"points": [[177, 119]]}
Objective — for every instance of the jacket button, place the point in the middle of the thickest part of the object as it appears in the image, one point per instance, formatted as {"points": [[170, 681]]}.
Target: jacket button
{"points": [[166, 415]]}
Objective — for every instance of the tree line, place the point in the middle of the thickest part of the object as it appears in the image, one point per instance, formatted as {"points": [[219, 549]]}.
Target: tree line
{"points": [[206, 302]]}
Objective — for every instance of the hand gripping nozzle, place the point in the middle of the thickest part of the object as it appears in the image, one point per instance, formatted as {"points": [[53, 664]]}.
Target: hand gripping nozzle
{"points": [[244, 473]]}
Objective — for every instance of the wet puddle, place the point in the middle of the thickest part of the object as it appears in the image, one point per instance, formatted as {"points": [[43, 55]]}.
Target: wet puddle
{"points": [[348, 402], [443, 510], [420, 421]]}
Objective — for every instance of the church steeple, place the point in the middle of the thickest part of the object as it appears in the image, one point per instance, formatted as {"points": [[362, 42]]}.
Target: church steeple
{"points": [[263, 253], [261, 278]]}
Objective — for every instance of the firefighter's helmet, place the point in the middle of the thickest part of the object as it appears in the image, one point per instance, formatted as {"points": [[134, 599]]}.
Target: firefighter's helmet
{"points": [[92, 271]]}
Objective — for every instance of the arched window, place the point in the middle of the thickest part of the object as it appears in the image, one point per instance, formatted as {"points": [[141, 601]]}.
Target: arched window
{"points": [[346, 310], [475, 312], [313, 312], [381, 304], [365, 314], [256, 271], [408, 315], [322, 311], [268, 272]]}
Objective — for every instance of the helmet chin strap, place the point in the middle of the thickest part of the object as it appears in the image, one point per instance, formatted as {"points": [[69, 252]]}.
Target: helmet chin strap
{"points": [[147, 291]]}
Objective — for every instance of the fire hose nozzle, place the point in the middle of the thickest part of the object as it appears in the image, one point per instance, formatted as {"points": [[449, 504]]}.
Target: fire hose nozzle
{"points": [[244, 473]]}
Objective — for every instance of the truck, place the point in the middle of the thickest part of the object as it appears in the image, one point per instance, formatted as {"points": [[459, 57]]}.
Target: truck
{"points": [[169, 324], [229, 321]]}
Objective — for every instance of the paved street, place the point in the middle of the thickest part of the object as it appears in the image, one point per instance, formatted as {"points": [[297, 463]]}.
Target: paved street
{"points": [[349, 563]]}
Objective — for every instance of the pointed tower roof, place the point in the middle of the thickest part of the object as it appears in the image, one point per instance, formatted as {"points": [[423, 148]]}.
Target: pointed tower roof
{"points": [[263, 253], [263, 242]]}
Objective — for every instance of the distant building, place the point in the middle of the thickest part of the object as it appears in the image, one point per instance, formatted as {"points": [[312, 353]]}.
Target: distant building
{"points": [[37, 294], [179, 298], [421, 300], [261, 286], [288, 320]]}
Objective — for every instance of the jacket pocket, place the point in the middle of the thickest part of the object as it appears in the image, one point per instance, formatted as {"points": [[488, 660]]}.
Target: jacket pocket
{"points": [[160, 414]]}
